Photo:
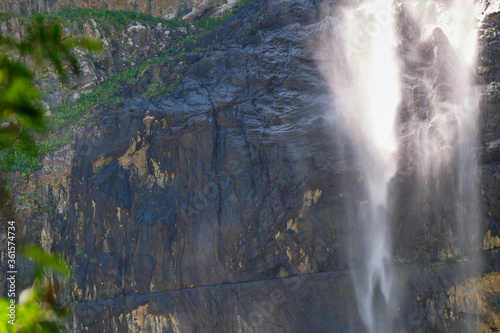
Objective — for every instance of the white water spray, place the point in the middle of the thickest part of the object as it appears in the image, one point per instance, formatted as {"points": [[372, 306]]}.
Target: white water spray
{"points": [[367, 78], [448, 135]]}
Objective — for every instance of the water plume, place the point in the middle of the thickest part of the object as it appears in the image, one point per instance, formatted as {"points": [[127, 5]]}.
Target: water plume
{"points": [[401, 73], [365, 81]]}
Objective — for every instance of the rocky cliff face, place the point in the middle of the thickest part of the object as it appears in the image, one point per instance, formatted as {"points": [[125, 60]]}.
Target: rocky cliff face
{"points": [[185, 9], [123, 48], [220, 207]]}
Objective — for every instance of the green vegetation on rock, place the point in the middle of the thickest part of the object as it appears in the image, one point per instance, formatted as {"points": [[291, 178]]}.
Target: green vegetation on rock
{"points": [[109, 19], [21, 111], [27, 160]]}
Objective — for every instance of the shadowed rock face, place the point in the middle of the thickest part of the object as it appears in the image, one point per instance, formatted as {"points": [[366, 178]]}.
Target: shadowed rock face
{"points": [[221, 207], [210, 185]]}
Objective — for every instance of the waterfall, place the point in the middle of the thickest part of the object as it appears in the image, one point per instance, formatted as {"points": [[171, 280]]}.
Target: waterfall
{"points": [[446, 136], [402, 77], [365, 80]]}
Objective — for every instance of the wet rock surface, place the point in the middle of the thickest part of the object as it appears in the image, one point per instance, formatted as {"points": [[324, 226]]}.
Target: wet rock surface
{"points": [[489, 70]]}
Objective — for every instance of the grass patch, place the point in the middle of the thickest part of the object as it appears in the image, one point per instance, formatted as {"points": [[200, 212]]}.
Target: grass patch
{"points": [[46, 208], [67, 114], [64, 115], [155, 90], [14, 160], [209, 24], [80, 252], [108, 19]]}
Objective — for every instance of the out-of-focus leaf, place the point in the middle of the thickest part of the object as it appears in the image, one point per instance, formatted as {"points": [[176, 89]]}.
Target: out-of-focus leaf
{"points": [[21, 113], [86, 43], [51, 262], [45, 42], [19, 99], [5, 327]]}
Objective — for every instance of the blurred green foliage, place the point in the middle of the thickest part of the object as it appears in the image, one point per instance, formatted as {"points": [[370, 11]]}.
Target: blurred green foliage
{"points": [[21, 158], [21, 111], [157, 90], [37, 309], [22, 118]]}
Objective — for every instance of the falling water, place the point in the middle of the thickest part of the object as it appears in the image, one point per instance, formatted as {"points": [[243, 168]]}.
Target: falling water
{"points": [[447, 135], [365, 78], [373, 62]]}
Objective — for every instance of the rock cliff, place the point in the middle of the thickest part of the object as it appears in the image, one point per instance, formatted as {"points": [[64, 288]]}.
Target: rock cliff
{"points": [[185, 9], [123, 49], [220, 207]]}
